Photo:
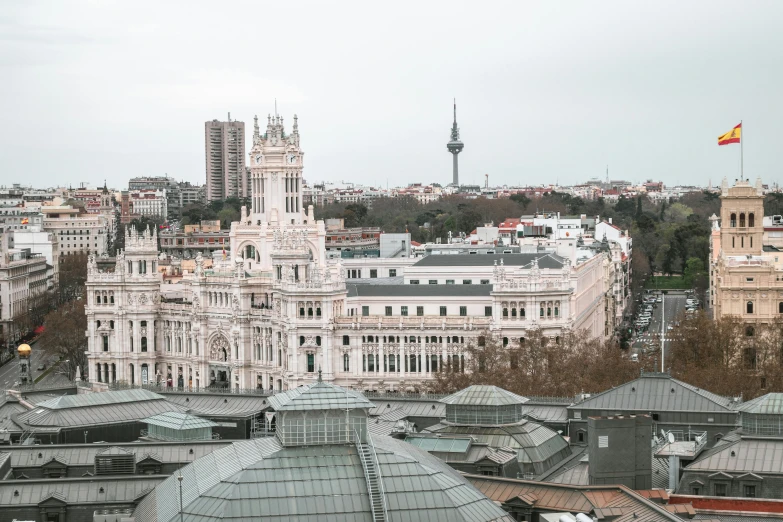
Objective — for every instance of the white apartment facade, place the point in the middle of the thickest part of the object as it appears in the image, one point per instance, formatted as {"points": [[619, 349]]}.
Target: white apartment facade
{"points": [[273, 312], [22, 276]]}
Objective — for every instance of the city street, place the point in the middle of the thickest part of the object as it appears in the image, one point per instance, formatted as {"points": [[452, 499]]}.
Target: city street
{"points": [[9, 373], [663, 315]]}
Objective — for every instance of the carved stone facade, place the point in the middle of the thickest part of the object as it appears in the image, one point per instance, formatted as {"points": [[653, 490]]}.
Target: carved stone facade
{"points": [[271, 312]]}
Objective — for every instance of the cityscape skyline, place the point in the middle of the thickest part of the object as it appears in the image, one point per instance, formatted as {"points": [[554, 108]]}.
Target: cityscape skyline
{"points": [[591, 104]]}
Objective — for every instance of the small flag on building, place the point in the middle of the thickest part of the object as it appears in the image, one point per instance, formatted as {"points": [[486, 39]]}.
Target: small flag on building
{"points": [[733, 136], [25, 221]]}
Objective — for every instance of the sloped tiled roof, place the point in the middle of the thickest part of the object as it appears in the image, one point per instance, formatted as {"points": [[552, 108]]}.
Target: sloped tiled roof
{"points": [[480, 395], [319, 396], [652, 392]]}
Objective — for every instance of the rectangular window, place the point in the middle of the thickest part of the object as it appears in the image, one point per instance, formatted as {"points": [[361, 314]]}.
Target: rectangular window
{"points": [[346, 340], [433, 281], [392, 272], [485, 281], [467, 281], [105, 343], [749, 279], [414, 281], [373, 273], [750, 491], [403, 310], [442, 311], [388, 311], [310, 362], [463, 311], [719, 490], [487, 311], [449, 281], [365, 311], [694, 491], [419, 311]]}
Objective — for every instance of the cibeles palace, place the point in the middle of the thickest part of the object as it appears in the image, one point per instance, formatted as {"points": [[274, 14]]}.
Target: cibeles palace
{"points": [[272, 312]]}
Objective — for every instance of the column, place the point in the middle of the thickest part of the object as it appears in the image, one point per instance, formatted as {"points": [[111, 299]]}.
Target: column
{"points": [[356, 358], [400, 368], [421, 363], [381, 368]]}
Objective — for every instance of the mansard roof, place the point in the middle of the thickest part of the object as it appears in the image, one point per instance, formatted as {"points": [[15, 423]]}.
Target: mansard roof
{"points": [[545, 260], [419, 290]]}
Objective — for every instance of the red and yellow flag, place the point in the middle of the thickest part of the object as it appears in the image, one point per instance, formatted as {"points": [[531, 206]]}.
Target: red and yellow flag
{"points": [[733, 136]]}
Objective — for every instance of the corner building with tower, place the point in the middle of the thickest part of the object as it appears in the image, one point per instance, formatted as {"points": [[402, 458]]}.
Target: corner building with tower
{"points": [[270, 311]]}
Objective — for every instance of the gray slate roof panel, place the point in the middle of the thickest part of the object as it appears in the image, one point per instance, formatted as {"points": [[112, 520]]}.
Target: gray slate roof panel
{"points": [[545, 260], [418, 290], [99, 399], [655, 393], [750, 455], [179, 421]]}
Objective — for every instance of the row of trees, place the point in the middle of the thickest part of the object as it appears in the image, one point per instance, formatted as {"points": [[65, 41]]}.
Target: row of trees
{"points": [[542, 366], [726, 357]]}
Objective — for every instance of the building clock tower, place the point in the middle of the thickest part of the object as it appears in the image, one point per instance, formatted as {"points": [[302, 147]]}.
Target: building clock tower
{"points": [[276, 163]]}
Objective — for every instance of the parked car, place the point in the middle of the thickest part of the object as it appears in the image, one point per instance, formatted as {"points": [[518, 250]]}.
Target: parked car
{"points": [[41, 367]]}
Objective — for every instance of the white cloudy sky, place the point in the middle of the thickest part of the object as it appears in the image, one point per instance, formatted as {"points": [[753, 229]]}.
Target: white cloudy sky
{"points": [[546, 91]]}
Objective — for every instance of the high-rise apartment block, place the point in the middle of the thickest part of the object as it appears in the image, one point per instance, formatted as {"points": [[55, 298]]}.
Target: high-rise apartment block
{"points": [[225, 156]]}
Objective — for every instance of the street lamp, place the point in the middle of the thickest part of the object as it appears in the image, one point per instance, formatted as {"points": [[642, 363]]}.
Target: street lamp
{"points": [[179, 479]]}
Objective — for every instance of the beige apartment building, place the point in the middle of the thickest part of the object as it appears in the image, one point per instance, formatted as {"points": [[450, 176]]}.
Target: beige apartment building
{"points": [[746, 276], [225, 157]]}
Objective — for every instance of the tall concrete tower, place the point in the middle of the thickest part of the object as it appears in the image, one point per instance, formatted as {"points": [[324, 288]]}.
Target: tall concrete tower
{"points": [[455, 146]]}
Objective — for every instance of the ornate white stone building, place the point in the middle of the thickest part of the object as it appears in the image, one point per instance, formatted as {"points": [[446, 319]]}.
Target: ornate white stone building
{"points": [[272, 311]]}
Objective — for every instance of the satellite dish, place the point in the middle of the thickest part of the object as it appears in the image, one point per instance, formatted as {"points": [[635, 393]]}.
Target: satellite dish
{"points": [[671, 438]]}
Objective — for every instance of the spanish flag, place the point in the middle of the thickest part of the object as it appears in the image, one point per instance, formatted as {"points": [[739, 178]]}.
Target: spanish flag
{"points": [[733, 136]]}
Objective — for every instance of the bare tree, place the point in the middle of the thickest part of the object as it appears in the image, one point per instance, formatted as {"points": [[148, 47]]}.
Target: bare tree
{"points": [[63, 335]]}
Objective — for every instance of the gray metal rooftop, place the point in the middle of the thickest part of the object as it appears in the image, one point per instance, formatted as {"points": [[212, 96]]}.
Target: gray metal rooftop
{"points": [[419, 290], [319, 396], [769, 404], [481, 395], [318, 483], [99, 399], [655, 392], [545, 260], [88, 490], [179, 421], [746, 455], [220, 405]]}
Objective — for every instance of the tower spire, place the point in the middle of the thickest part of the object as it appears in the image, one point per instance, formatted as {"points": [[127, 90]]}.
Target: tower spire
{"points": [[455, 146], [256, 132]]}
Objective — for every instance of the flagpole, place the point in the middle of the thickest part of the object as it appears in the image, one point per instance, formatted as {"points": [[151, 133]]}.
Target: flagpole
{"points": [[742, 152]]}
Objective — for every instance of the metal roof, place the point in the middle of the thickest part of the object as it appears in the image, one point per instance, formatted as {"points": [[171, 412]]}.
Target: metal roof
{"points": [[419, 290], [319, 396], [769, 404], [535, 444], [481, 395], [84, 454], [318, 483], [219, 405], [95, 414], [99, 399], [76, 490], [652, 392], [746, 455], [442, 444], [545, 260], [179, 421], [545, 412], [415, 408]]}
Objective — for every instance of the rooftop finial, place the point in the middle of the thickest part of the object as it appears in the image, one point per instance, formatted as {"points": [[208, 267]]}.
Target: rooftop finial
{"points": [[319, 374], [455, 111]]}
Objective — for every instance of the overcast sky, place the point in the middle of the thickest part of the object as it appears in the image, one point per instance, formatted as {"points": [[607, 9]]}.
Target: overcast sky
{"points": [[546, 91]]}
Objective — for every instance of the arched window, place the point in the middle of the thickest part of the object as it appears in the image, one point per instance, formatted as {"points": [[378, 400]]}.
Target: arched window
{"points": [[780, 307], [522, 313], [513, 312], [505, 312], [750, 331], [742, 219], [751, 219], [749, 307], [505, 341], [346, 362], [733, 220], [318, 340], [301, 340], [309, 312]]}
